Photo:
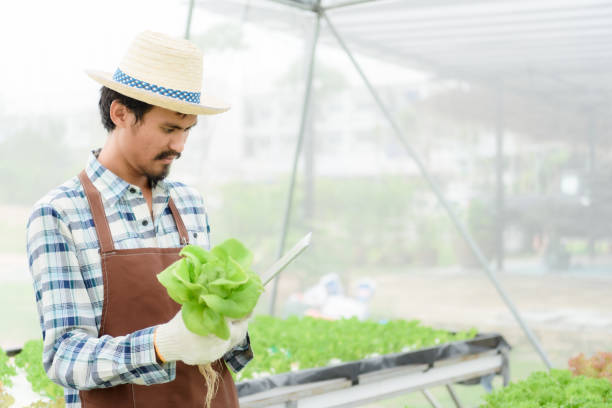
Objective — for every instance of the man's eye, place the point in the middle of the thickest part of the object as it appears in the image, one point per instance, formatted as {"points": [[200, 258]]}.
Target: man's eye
{"points": [[168, 130]]}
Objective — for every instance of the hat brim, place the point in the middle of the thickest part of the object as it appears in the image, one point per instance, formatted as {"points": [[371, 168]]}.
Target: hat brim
{"points": [[208, 105]]}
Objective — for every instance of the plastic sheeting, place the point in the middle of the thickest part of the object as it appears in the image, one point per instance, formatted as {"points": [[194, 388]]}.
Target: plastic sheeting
{"points": [[352, 370]]}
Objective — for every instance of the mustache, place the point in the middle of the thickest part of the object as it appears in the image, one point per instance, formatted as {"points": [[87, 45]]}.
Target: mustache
{"points": [[168, 153]]}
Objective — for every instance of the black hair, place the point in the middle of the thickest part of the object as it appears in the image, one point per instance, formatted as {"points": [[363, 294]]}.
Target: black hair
{"points": [[107, 96]]}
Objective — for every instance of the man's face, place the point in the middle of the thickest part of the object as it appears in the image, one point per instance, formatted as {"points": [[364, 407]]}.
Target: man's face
{"points": [[151, 145]]}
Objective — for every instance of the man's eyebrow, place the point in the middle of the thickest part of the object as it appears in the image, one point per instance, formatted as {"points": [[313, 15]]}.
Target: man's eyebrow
{"points": [[175, 126]]}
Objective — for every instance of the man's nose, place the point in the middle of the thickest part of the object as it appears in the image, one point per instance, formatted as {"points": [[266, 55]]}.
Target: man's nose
{"points": [[177, 143]]}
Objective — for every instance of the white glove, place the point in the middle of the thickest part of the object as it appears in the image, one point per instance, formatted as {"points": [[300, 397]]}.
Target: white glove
{"points": [[173, 341], [238, 330]]}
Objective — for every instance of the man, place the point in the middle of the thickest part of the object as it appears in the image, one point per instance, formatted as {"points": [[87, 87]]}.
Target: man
{"points": [[112, 336]]}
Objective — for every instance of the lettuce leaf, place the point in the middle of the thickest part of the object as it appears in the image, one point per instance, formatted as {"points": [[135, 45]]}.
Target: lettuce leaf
{"points": [[212, 285]]}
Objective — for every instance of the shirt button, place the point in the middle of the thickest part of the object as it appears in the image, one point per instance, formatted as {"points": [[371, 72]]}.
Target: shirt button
{"points": [[145, 222], [132, 190], [195, 234]]}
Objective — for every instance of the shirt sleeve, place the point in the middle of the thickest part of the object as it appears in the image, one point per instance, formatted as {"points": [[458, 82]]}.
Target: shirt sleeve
{"points": [[73, 355], [238, 357]]}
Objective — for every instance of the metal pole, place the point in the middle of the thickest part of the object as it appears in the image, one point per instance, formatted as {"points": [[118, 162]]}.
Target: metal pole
{"points": [[434, 187], [296, 156], [499, 159], [454, 396], [189, 15], [432, 400], [591, 178]]}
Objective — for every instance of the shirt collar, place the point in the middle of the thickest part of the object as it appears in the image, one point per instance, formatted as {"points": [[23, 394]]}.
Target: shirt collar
{"points": [[113, 187]]}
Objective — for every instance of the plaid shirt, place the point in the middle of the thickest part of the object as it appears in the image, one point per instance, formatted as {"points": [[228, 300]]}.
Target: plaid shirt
{"points": [[64, 261]]}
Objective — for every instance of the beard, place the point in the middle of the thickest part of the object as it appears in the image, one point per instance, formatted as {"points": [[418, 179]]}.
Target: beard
{"points": [[154, 178]]}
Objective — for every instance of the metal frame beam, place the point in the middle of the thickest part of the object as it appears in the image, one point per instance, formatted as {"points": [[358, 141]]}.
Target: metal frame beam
{"points": [[454, 396], [375, 386], [189, 18], [296, 156], [499, 179]]}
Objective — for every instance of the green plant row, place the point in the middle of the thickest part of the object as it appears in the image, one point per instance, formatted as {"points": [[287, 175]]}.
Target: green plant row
{"points": [[554, 389], [280, 345], [30, 360], [295, 343], [6, 369]]}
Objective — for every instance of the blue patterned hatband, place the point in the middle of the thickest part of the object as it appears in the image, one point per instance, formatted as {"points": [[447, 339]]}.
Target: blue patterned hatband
{"points": [[122, 77]]}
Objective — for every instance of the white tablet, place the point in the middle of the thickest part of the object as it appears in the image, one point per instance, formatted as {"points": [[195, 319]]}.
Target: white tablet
{"points": [[286, 259]]}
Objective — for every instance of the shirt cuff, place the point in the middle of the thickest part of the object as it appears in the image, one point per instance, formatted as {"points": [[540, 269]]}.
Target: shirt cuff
{"points": [[145, 361], [238, 357]]}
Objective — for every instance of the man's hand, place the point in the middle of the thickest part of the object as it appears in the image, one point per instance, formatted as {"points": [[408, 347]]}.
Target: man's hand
{"points": [[173, 341], [238, 330]]}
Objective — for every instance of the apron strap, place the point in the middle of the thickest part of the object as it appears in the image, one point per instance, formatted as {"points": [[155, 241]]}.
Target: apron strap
{"points": [[97, 211], [101, 223], [180, 225]]}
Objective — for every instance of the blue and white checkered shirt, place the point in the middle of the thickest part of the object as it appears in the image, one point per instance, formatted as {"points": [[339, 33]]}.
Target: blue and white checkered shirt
{"points": [[64, 261]]}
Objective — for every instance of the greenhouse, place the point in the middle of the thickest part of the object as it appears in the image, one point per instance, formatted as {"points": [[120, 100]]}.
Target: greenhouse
{"points": [[407, 203]]}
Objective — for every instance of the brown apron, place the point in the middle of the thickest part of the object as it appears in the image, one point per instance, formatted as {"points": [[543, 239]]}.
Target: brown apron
{"points": [[133, 300]]}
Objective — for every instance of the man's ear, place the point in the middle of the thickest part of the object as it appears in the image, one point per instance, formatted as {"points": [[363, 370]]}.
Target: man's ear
{"points": [[120, 115]]}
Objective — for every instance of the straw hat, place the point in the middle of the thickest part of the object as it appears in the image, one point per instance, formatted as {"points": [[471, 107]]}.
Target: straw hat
{"points": [[162, 71]]}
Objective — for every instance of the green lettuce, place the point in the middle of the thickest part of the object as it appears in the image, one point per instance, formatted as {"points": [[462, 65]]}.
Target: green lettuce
{"points": [[212, 285], [556, 388]]}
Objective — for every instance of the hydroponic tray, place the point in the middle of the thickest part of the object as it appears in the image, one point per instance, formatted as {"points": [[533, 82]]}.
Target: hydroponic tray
{"points": [[362, 381]]}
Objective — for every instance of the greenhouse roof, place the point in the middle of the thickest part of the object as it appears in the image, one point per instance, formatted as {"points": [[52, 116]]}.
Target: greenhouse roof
{"points": [[557, 52]]}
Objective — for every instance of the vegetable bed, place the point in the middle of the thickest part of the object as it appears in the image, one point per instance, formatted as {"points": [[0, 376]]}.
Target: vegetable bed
{"points": [[41, 392], [307, 351], [557, 388], [283, 345]]}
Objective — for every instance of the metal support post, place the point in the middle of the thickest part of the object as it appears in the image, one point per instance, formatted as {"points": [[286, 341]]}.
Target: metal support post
{"points": [[591, 175], [189, 15], [432, 400], [500, 199], [296, 156], [454, 396], [442, 200]]}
